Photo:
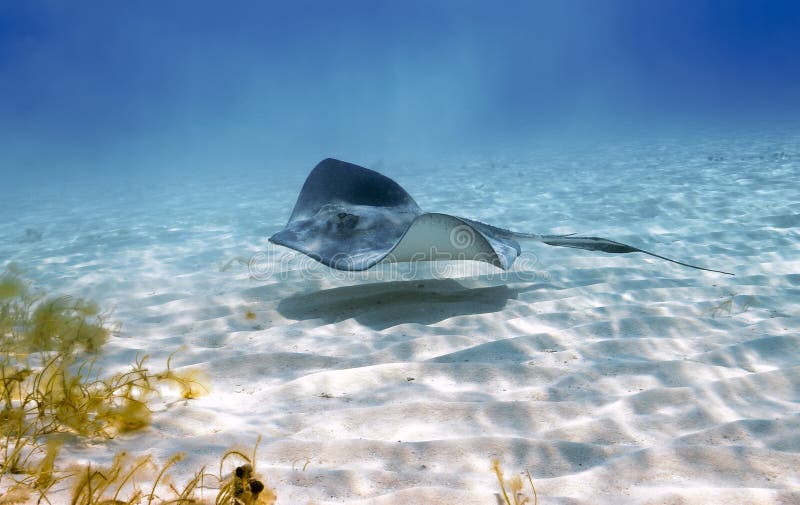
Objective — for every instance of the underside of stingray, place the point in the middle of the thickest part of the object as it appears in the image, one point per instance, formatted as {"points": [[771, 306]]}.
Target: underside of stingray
{"points": [[352, 218]]}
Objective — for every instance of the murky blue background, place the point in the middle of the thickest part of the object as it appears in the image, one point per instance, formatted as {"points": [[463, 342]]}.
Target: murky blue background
{"points": [[181, 88]]}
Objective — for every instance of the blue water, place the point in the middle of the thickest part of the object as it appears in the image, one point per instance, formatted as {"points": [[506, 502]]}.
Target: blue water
{"points": [[172, 89], [148, 149]]}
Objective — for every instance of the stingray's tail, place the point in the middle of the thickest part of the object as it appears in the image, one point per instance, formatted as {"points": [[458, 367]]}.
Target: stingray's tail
{"points": [[600, 244]]}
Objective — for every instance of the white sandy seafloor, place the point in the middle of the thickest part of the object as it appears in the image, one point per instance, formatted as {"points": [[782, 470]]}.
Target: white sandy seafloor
{"points": [[611, 378]]}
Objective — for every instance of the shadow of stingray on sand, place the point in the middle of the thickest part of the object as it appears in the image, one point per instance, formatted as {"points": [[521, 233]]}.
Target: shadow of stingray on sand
{"points": [[383, 305]]}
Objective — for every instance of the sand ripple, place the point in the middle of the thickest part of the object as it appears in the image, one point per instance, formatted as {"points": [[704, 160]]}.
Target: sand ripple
{"points": [[612, 379]]}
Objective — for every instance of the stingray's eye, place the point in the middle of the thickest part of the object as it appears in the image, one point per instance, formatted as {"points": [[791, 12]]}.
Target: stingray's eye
{"points": [[345, 221]]}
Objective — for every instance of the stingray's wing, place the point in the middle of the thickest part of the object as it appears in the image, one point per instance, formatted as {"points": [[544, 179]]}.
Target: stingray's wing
{"points": [[604, 245], [339, 182], [347, 217], [433, 236]]}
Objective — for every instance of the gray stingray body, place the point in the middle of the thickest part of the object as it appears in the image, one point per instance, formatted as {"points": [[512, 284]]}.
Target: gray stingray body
{"points": [[352, 218]]}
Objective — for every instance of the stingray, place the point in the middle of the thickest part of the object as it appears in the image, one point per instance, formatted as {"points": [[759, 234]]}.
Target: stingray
{"points": [[352, 218]]}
